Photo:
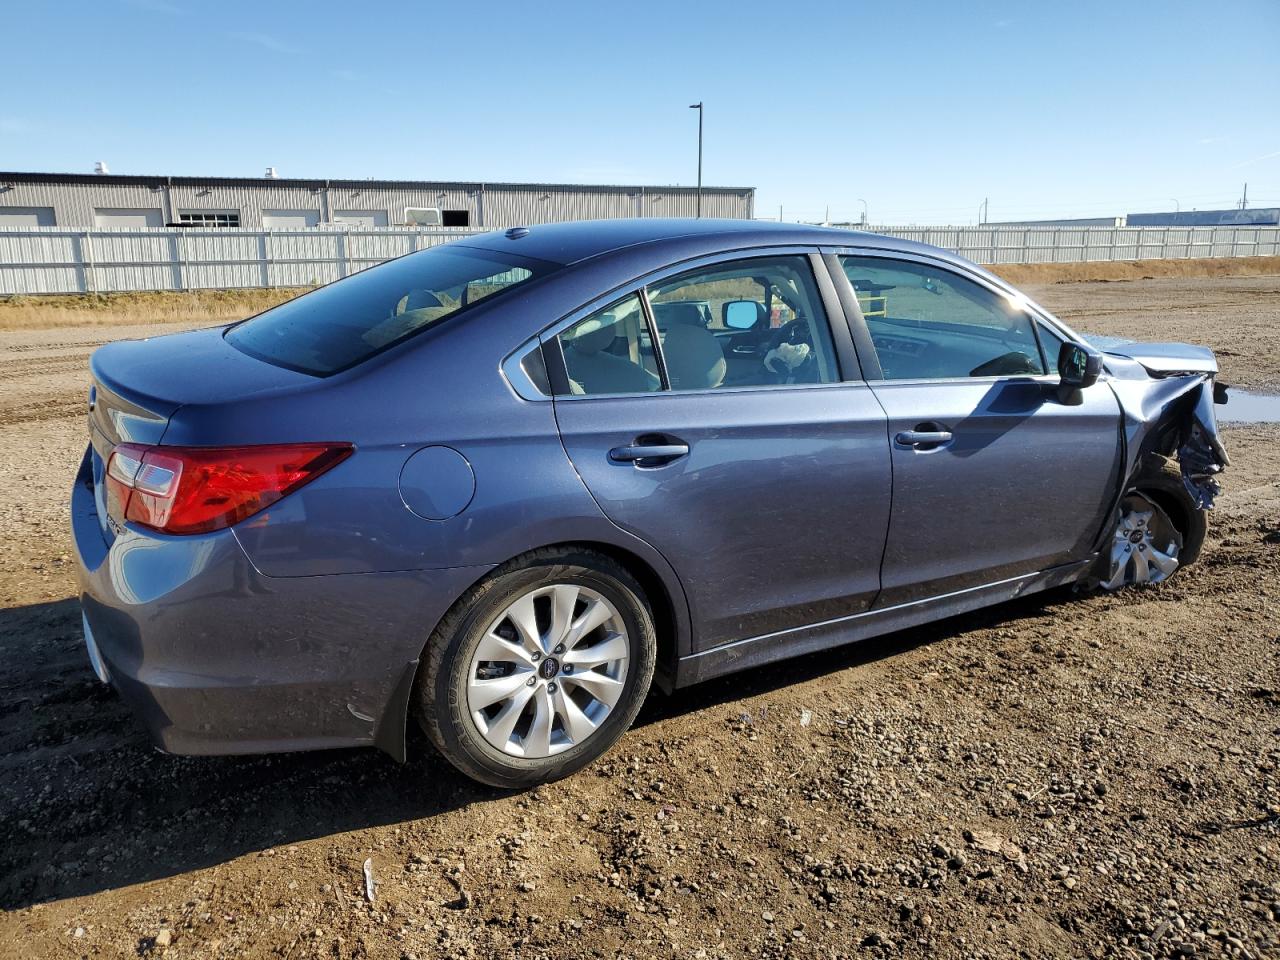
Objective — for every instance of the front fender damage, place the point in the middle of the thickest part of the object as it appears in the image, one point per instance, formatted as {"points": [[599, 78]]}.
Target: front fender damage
{"points": [[1171, 416]]}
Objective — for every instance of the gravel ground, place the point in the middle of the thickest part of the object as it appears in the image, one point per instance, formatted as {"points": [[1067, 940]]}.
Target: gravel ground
{"points": [[1056, 777], [1234, 315]]}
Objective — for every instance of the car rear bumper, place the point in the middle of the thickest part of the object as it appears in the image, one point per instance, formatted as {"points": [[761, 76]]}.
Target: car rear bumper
{"points": [[216, 658]]}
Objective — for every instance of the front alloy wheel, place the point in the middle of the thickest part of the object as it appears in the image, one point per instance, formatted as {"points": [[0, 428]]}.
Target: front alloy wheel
{"points": [[1145, 546]]}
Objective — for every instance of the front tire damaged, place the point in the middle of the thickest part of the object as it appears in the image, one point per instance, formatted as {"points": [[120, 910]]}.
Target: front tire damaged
{"points": [[1173, 455]]}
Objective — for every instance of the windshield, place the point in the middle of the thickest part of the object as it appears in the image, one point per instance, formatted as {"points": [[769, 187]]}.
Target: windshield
{"points": [[347, 322]]}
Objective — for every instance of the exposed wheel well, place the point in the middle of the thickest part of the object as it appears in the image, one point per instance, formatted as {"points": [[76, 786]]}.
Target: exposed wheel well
{"points": [[665, 624], [1170, 504], [1161, 482]]}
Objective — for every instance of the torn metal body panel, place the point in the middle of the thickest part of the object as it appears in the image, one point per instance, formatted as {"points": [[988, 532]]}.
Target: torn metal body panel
{"points": [[1167, 393]]}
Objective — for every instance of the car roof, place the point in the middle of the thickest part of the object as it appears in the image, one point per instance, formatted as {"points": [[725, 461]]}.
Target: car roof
{"points": [[573, 242]]}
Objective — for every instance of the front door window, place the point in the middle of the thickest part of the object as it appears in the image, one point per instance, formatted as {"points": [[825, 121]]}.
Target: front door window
{"points": [[928, 323]]}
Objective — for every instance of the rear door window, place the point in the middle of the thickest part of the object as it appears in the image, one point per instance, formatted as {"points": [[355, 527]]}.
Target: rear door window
{"points": [[348, 322], [611, 352], [744, 323]]}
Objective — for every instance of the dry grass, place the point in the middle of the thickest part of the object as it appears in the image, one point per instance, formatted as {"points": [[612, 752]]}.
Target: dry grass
{"points": [[209, 307], [1094, 271], [198, 308]]}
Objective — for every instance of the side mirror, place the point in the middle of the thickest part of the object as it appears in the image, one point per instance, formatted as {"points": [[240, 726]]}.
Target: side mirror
{"points": [[1079, 365], [740, 314]]}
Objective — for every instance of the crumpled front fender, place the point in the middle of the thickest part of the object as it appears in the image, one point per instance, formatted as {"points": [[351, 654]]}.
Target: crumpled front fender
{"points": [[1170, 416]]}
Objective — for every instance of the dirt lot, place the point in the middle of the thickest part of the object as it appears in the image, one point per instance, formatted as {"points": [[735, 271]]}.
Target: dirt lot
{"points": [[1237, 316], [1053, 778]]}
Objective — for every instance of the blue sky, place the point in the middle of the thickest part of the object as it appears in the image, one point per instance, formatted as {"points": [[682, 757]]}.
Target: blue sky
{"points": [[920, 108]]}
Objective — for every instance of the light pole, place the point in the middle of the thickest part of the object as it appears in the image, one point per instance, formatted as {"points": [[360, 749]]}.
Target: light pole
{"points": [[698, 106], [866, 217], [1177, 207]]}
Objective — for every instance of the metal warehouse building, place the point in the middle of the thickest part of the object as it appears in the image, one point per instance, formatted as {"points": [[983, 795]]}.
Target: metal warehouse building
{"points": [[83, 201]]}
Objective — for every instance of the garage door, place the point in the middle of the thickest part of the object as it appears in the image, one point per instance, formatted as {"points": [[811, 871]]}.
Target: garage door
{"points": [[289, 219], [361, 218], [26, 217], [128, 217]]}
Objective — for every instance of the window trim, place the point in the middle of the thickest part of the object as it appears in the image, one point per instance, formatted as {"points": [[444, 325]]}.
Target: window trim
{"points": [[659, 353], [862, 333], [848, 367], [517, 375]]}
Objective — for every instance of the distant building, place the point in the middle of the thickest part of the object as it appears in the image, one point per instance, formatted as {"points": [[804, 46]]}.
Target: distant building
{"points": [[1259, 217], [82, 201], [1076, 222]]}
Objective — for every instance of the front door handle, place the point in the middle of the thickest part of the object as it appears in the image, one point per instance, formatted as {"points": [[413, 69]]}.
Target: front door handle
{"points": [[922, 438], [649, 454]]}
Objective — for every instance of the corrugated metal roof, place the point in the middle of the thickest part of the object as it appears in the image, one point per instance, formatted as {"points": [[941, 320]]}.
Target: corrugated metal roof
{"points": [[149, 180]]}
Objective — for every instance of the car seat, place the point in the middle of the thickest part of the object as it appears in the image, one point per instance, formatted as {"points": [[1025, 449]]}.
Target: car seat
{"points": [[596, 370], [693, 356]]}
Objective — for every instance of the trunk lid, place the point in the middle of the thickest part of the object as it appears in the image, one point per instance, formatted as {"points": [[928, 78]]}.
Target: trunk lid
{"points": [[138, 385]]}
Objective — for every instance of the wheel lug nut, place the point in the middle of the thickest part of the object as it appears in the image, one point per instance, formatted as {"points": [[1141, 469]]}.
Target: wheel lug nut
{"points": [[551, 688], [536, 656], [532, 681], [560, 648], [568, 668]]}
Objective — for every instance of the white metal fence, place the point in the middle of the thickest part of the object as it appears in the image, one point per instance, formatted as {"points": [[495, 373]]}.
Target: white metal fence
{"points": [[36, 260], [1032, 244], [53, 260]]}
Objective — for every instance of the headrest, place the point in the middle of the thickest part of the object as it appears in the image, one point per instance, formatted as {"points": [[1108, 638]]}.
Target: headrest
{"points": [[694, 358], [593, 335], [669, 314], [421, 299]]}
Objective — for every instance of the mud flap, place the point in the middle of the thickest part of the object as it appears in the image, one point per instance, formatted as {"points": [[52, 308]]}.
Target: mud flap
{"points": [[392, 736]]}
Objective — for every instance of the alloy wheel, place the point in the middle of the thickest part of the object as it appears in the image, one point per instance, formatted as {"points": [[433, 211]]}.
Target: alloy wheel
{"points": [[548, 670], [1145, 546]]}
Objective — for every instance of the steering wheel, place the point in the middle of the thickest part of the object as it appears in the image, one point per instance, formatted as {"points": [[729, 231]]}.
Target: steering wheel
{"points": [[793, 331]]}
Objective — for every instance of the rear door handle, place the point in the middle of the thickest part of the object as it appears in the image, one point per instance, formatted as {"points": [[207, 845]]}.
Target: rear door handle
{"points": [[649, 454], [919, 438]]}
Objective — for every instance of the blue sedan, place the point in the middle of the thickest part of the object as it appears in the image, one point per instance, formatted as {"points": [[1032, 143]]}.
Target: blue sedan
{"points": [[504, 486]]}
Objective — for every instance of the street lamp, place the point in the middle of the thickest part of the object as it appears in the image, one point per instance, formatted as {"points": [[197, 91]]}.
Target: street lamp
{"points": [[698, 106], [866, 218]]}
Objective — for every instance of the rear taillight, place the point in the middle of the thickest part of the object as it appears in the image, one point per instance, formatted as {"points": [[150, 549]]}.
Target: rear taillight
{"points": [[183, 490]]}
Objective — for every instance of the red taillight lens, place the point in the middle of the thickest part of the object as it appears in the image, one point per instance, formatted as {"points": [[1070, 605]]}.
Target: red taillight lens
{"points": [[183, 490]]}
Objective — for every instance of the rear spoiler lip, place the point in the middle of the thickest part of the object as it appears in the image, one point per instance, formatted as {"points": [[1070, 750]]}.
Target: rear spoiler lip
{"points": [[131, 396]]}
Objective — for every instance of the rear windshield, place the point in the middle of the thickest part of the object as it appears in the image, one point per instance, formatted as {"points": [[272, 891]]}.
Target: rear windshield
{"points": [[347, 322]]}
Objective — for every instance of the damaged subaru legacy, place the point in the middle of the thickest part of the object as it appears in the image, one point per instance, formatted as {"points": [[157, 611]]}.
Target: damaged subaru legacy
{"points": [[500, 487]]}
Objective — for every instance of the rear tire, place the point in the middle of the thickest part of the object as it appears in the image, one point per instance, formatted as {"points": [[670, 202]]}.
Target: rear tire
{"points": [[539, 669]]}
